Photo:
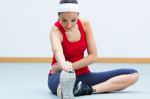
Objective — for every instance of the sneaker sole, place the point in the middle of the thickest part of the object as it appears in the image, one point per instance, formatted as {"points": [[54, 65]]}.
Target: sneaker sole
{"points": [[67, 80]]}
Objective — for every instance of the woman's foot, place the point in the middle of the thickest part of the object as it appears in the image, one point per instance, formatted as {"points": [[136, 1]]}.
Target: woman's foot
{"points": [[67, 80]]}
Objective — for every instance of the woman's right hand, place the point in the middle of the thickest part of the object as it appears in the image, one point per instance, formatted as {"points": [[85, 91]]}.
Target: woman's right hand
{"points": [[56, 68], [67, 66]]}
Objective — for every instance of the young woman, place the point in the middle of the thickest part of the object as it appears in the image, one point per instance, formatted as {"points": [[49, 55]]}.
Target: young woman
{"points": [[70, 37]]}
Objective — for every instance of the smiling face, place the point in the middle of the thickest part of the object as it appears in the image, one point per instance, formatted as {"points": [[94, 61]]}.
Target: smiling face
{"points": [[68, 19]]}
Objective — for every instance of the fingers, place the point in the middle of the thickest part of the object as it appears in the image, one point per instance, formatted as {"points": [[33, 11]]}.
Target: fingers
{"points": [[67, 66], [56, 67]]}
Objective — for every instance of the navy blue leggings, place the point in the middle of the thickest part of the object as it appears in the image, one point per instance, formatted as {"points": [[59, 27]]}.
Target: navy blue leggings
{"points": [[91, 78]]}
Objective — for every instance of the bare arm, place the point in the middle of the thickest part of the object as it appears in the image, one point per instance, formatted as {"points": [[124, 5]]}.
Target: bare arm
{"points": [[55, 38], [91, 48]]}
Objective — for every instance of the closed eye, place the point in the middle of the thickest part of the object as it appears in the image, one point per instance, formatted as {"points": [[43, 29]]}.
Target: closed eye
{"points": [[64, 20], [74, 20]]}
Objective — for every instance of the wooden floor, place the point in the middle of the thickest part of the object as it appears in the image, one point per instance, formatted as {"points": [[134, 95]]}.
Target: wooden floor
{"points": [[29, 81]]}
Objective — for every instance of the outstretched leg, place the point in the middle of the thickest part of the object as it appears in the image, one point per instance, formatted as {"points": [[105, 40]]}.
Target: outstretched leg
{"points": [[65, 88]]}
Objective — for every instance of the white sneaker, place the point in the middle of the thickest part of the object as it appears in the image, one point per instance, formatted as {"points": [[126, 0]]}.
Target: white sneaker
{"points": [[67, 81]]}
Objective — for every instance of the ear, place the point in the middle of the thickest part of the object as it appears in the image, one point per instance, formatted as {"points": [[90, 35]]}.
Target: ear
{"points": [[58, 19], [58, 16]]}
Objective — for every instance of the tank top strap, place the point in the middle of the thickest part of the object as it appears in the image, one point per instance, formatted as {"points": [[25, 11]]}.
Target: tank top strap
{"points": [[81, 27], [59, 26]]}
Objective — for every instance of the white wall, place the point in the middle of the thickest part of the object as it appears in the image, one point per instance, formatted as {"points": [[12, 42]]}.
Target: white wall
{"points": [[121, 27]]}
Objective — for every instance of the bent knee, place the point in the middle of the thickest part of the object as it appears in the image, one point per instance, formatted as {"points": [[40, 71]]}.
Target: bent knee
{"points": [[132, 78]]}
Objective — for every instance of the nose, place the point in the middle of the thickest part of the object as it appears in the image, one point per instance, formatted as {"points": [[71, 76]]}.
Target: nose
{"points": [[68, 25]]}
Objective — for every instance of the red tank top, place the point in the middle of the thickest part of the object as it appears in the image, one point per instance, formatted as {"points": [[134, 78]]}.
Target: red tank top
{"points": [[73, 51]]}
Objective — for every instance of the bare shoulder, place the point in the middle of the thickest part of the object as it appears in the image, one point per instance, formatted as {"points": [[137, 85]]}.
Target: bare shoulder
{"points": [[84, 21], [86, 24], [54, 29], [55, 32]]}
